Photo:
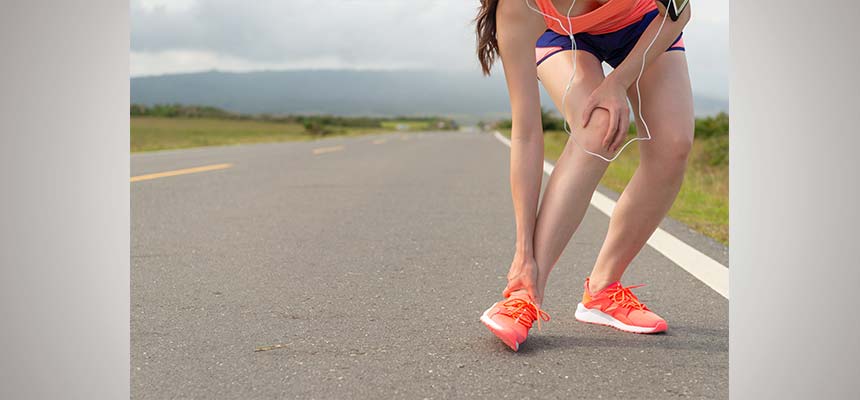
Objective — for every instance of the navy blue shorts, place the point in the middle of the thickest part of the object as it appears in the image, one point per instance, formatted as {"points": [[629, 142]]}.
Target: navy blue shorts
{"points": [[612, 47]]}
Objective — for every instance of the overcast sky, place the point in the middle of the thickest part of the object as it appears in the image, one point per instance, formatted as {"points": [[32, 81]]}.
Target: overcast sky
{"points": [[169, 36]]}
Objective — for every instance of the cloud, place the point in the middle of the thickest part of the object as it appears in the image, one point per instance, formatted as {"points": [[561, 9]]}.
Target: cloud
{"points": [[380, 33], [169, 36], [707, 39]]}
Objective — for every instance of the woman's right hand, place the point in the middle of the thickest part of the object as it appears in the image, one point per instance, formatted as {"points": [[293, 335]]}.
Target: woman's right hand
{"points": [[523, 275]]}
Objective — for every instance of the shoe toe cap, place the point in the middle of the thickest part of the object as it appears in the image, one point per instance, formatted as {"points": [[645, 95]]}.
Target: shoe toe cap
{"points": [[510, 331], [646, 318]]}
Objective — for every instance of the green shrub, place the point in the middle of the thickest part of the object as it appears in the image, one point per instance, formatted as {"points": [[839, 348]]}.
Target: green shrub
{"points": [[179, 110], [317, 124], [504, 124], [549, 122], [315, 127], [717, 125], [713, 133]]}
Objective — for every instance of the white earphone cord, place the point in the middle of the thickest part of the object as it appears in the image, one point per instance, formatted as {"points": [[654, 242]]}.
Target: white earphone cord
{"points": [[569, 31]]}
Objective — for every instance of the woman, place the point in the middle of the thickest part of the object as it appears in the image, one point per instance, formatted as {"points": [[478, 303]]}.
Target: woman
{"points": [[531, 39]]}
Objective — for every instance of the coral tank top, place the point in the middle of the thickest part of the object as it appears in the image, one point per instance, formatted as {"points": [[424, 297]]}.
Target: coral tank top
{"points": [[610, 17]]}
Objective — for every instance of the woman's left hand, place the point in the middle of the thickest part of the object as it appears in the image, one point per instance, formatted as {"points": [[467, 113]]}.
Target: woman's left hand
{"points": [[612, 97]]}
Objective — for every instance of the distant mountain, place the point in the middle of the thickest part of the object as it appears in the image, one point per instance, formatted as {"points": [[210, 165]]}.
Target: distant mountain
{"points": [[465, 96]]}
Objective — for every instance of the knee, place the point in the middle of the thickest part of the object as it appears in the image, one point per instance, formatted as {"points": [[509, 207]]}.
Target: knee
{"points": [[591, 137], [676, 150]]}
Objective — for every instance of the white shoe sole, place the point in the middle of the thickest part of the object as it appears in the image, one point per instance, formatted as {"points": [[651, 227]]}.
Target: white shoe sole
{"points": [[498, 329], [598, 317]]}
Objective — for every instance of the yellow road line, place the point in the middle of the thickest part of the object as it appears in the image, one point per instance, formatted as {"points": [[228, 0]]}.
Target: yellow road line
{"points": [[180, 172], [321, 150], [379, 141]]}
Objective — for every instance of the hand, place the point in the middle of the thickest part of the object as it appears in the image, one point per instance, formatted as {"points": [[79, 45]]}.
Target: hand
{"points": [[612, 97], [523, 275]]}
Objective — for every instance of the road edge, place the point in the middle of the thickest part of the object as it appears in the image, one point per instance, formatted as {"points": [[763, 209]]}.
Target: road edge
{"points": [[701, 266]]}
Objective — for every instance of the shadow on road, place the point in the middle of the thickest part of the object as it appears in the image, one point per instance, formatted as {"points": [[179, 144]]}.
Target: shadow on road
{"points": [[690, 338]]}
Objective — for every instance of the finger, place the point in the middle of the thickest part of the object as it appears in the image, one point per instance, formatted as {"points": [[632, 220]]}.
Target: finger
{"points": [[623, 127], [512, 286], [620, 137], [613, 126], [586, 113], [516, 285], [615, 135]]}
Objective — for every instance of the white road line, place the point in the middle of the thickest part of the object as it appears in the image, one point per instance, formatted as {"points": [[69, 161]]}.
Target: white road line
{"points": [[323, 150], [698, 264], [179, 172]]}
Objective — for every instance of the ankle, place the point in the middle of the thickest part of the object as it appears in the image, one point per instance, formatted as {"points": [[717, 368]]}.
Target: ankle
{"points": [[519, 293], [595, 285]]}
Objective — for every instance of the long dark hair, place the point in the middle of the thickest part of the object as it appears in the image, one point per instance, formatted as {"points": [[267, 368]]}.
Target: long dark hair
{"points": [[485, 32]]}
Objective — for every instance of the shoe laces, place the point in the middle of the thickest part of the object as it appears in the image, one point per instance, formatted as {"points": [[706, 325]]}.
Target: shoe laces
{"points": [[524, 312], [625, 298]]}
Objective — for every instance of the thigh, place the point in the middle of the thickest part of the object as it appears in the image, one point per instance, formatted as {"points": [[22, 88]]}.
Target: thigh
{"points": [[554, 74], [667, 107]]}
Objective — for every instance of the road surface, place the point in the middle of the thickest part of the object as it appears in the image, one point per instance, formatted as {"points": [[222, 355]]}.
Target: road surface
{"points": [[357, 267]]}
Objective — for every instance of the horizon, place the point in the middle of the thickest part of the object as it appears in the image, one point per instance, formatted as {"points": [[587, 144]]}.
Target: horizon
{"points": [[369, 70], [185, 36], [462, 95]]}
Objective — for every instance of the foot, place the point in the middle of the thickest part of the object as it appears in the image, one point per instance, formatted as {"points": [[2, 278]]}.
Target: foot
{"points": [[618, 307], [511, 319]]}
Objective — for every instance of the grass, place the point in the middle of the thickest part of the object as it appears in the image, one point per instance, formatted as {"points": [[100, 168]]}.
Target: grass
{"points": [[160, 133], [702, 204]]}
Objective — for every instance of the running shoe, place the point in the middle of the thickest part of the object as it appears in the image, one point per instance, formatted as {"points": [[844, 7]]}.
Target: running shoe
{"points": [[618, 307], [511, 319]]}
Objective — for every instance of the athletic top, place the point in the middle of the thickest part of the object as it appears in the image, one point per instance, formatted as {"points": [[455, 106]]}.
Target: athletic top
{"points": [[609, 17]]}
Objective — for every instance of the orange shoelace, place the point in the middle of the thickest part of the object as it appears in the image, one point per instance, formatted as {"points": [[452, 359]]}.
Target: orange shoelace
{"points": [[524, 312], [625, 298]]}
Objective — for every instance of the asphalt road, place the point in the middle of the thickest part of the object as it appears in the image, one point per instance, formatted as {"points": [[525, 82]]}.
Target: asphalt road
{"points": [[369, 262]]}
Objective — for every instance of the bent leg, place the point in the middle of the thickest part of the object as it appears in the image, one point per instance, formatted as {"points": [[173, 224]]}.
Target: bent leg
{"points": [[576, 173], [667, 105]]}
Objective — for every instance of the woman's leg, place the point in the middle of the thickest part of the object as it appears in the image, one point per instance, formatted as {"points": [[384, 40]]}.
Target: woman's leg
{"points": [[576, 173], [667, 105]]}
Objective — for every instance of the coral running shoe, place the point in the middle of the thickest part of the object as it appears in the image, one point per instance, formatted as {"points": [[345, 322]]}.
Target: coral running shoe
{"points": [[618, 307], [511, 319]]}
